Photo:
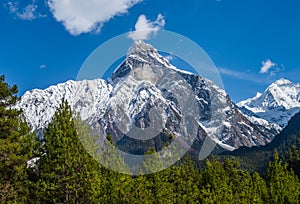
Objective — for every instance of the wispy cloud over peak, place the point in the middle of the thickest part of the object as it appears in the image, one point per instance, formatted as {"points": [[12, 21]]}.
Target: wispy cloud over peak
{"points": [[266, 66], [144, 28], [270, 68]]}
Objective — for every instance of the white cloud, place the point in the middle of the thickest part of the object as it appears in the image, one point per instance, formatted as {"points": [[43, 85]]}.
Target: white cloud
{"points": [[13, 7], [169, 57], [28, 12], [270, 68], [83, 16], [144, 28], [266, 66], [43, 66]]}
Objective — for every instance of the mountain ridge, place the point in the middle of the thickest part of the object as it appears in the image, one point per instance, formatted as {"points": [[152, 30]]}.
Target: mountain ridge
{"points": [[138, 82], [277, 104]]}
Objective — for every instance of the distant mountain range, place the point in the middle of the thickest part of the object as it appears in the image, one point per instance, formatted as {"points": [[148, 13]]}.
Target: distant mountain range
{"points": [[277, 104], [133, 92]]}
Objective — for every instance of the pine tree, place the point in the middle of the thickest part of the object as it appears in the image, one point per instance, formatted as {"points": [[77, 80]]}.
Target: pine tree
{"points": [[240, 181], [216, 186], [116, 187], [284, 186], [185, 179], [155, 187], [259, 192], [16, 147], [293, 159], [67, 173]]}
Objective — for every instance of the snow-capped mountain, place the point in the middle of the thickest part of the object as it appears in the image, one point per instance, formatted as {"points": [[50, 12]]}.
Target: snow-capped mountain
{"points": [[88, 98], [277, 104], [146, 90]]}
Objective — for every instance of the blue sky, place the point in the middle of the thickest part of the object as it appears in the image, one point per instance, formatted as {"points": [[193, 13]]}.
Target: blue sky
{"points": [[252, 43]]}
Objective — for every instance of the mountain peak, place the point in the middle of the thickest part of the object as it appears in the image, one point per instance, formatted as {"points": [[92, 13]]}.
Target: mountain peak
{"points": [[282, 81], [139, 46], [139, 55], [277, 104]]}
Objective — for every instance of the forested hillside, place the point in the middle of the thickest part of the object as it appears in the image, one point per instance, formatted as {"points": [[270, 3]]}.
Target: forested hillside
{"points": [[287, 144]]}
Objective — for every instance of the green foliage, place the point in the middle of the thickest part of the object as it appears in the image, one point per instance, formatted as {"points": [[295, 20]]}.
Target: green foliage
{"points": [[16, 148], [185, 180], [293, 158], [216, 184], [226, 182], [109, 138], [67, 173], [284, 186], [116, 187], [259, 189]]}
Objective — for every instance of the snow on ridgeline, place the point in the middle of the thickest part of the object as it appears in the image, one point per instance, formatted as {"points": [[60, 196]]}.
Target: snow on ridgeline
{"points": [[86, 98], [277, 104]]}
